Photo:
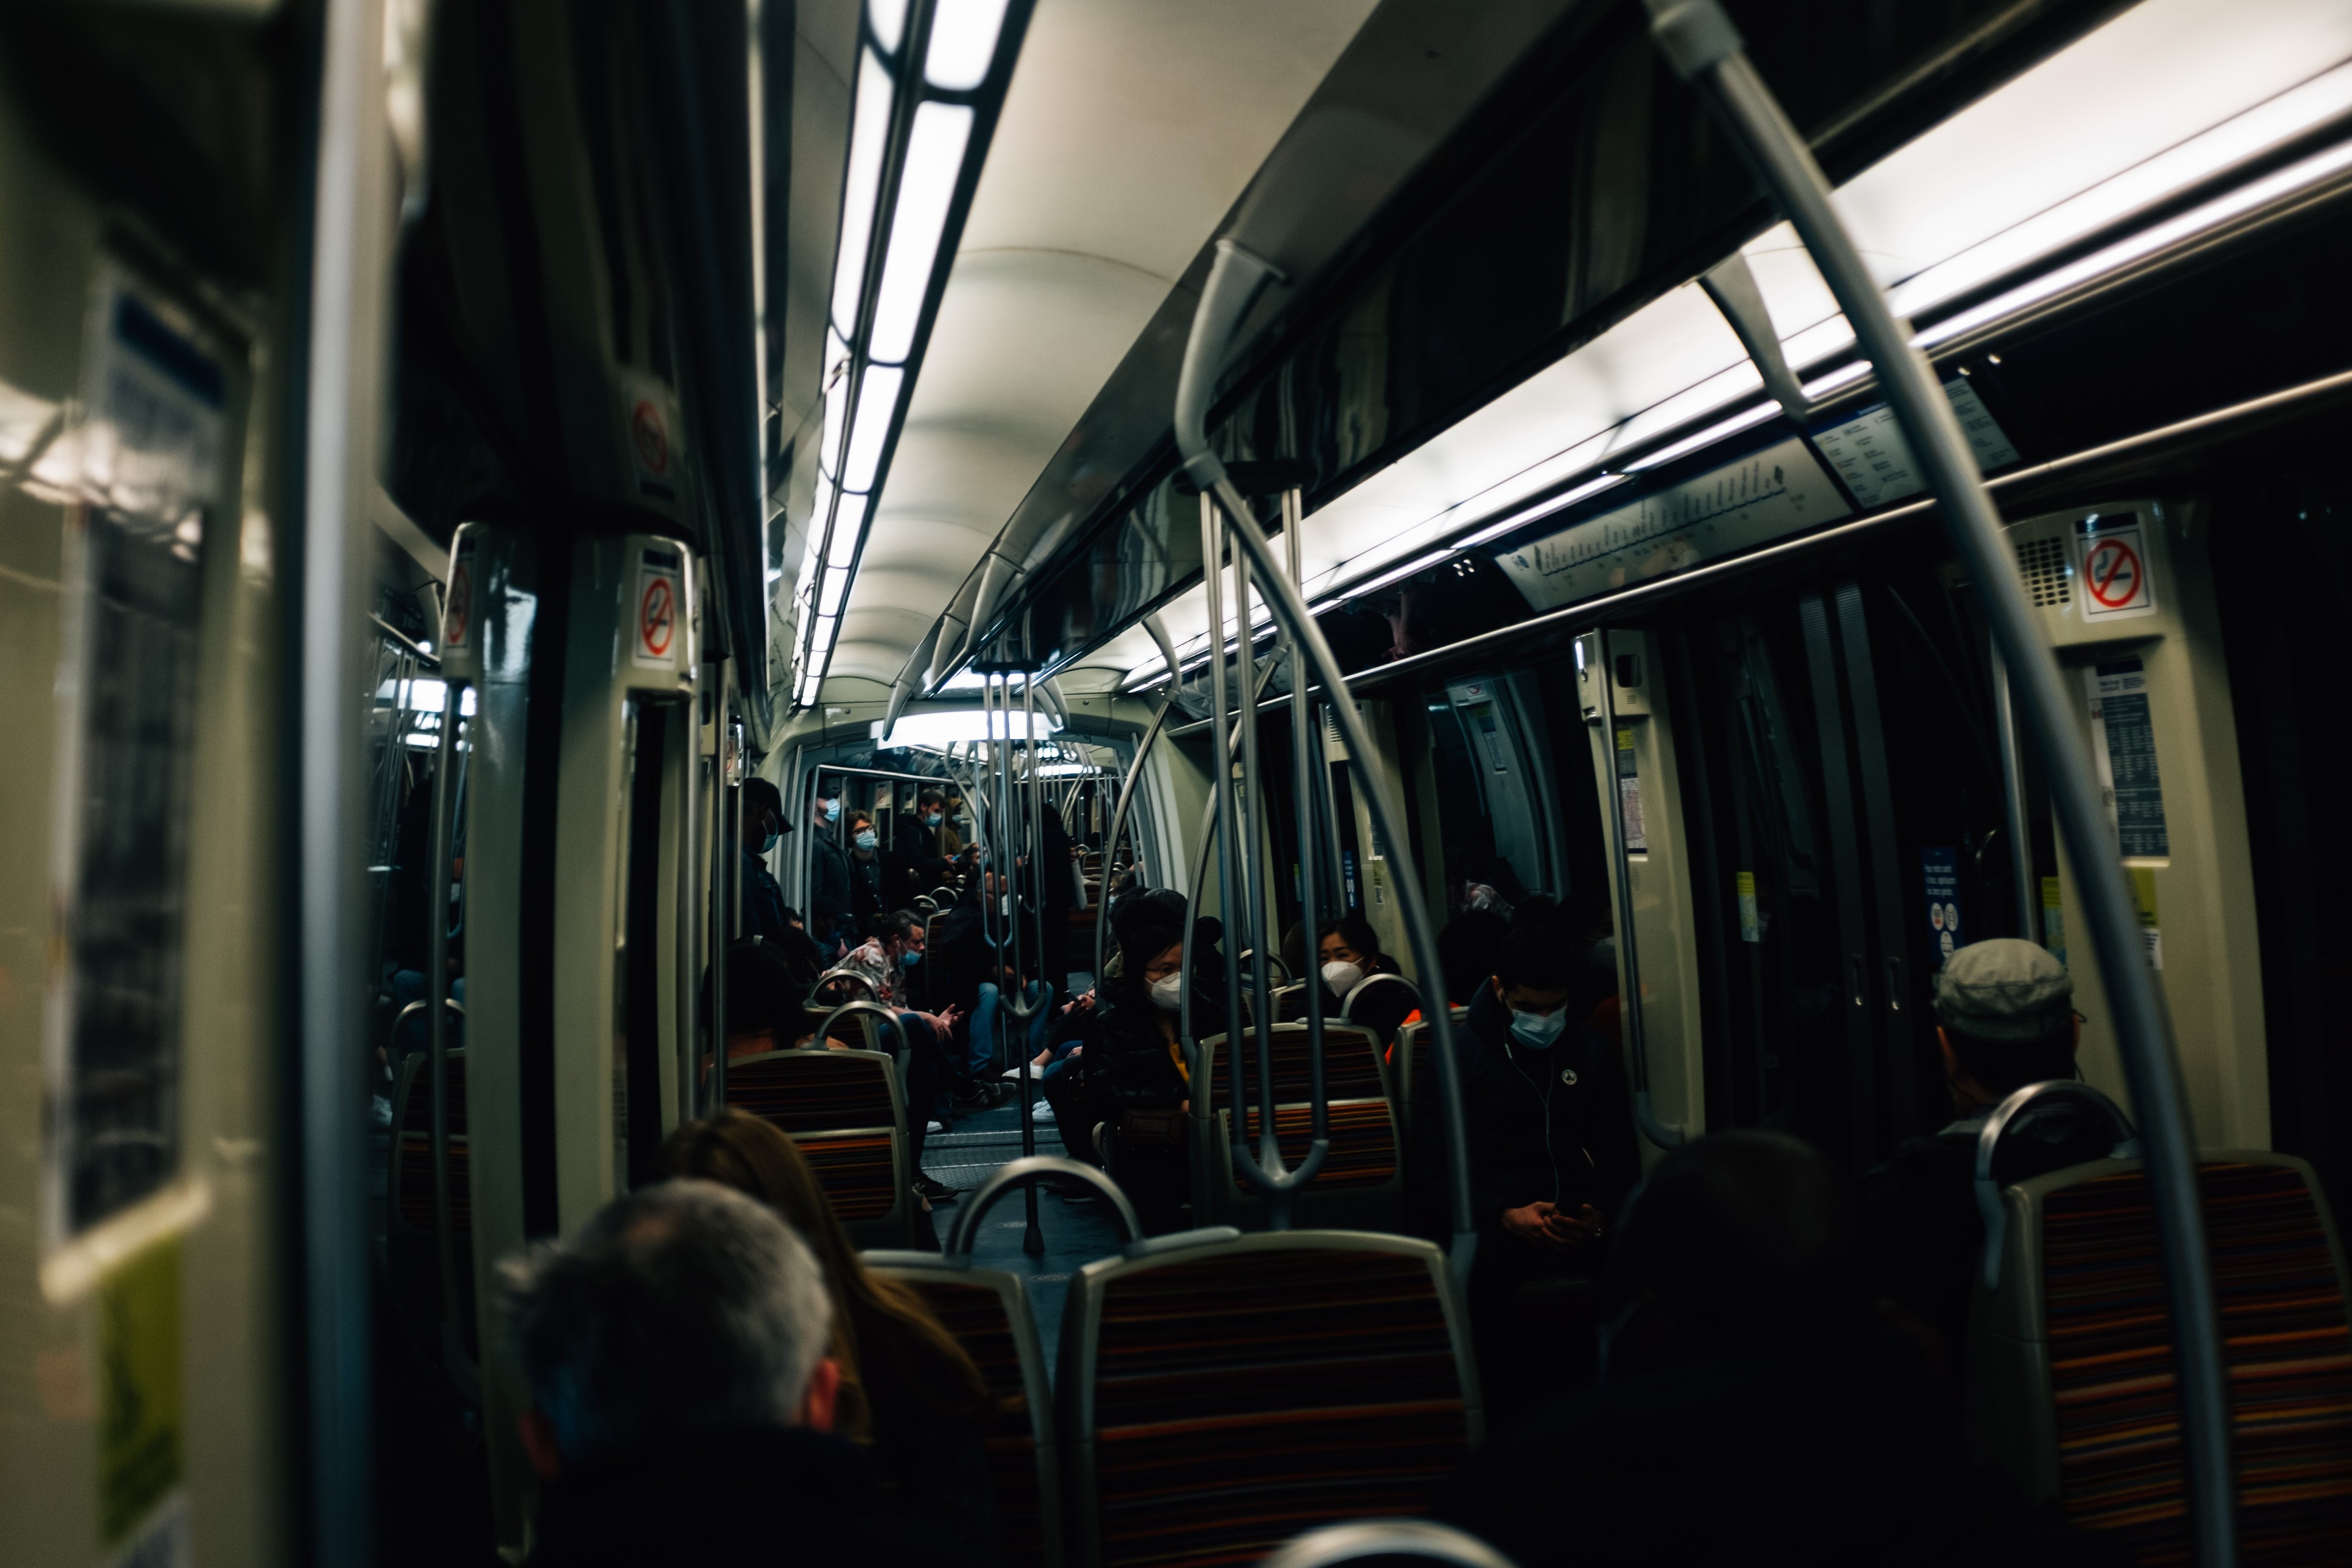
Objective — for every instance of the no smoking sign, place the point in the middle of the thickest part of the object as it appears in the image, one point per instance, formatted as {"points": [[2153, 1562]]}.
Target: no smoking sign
{"points": [[658, 609], [2115, 580]]}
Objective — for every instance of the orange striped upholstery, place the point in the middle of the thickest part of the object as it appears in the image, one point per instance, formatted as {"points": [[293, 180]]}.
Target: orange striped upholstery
{"points": [[858, 1171], [1351, 1065], [976, 1316], [2289, 1353], [1260, 1389], [412, 1155], [1363, 1141], [814, 1092]]}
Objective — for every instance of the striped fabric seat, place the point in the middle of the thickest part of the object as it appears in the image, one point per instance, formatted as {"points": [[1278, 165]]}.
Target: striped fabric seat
{"points": [[1351, 1065], [811, 1091], [1363, 1141], [858, 1171], [410, 1188], [2289, 1349], [843, 1108], [987, 1313], [1222, 1398]]}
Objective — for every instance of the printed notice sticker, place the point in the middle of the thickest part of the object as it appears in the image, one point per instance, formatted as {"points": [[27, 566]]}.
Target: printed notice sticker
{"points": [[1774, 493], [659, 611], [1751, 928], [1939, 869], [142, 1450], [2111, 555], [2123, 743], [2053, 918], [1629, 794], [1870, 454]]}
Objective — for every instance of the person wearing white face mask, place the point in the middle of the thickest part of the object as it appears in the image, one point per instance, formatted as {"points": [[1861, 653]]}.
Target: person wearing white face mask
{"points": [[1551, 1148], [1133, 1083]]}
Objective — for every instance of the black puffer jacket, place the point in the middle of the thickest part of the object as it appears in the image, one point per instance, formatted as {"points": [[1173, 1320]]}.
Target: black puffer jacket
{"points": [[1127, 1062], [1555, 1125]]}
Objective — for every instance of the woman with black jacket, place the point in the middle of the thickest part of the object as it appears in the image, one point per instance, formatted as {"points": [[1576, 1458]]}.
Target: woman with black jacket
{"points": [[1133, 1080]]}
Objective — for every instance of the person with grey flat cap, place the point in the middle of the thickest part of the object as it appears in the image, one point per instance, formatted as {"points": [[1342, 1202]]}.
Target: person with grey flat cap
{"points": [[2005, 1018]]}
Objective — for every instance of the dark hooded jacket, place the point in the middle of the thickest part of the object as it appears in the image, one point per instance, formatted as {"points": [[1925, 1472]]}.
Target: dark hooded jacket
{"points": [[1555, 1124], [766, 1495]]}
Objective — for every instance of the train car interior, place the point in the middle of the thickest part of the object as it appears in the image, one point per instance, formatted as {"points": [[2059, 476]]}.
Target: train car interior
{"points": [[1151, 783]]}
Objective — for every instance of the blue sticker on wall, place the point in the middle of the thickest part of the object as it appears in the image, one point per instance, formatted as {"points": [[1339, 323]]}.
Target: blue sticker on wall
{"points": [[1940, 871]]}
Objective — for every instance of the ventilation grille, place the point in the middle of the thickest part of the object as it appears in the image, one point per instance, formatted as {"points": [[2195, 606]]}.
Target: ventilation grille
{"points": [[2042, 564]]}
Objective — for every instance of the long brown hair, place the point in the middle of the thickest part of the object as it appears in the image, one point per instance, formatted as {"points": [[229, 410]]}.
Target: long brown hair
{"points": [[900, 1369]]}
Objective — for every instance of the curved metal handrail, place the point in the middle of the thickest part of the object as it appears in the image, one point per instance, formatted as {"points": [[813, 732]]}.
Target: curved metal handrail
{"points": [[1234, 279], [1279, 970], [1995, 1213], [852, 975], [460, 1367], [1337, 1544], [887, 1015], [1699, 41], [1371, 985], [1025, 1173]]}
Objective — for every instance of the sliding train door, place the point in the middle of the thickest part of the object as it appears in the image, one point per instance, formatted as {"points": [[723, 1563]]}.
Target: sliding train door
{"points": [[1851, 836]]}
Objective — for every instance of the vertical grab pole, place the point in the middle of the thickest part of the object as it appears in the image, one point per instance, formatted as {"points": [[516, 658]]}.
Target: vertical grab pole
{"points": [[1705, 49], [1665, 1134], [1033, 1240], [1248, 825], [1302, 732], [1221, 762], [436, 960], [1233, 281], [690, 907], [2012, 803]]}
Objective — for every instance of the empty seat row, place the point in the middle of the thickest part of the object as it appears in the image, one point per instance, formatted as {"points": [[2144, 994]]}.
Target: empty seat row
{"points": [[1217, 1392]]}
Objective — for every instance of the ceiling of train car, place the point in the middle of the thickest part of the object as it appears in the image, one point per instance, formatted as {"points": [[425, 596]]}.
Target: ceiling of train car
{"points": [[2170, 92], [1131, 129]]}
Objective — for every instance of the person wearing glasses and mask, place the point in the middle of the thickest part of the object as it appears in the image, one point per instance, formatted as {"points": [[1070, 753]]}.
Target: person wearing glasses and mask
{"points": [[1552, 1157]]}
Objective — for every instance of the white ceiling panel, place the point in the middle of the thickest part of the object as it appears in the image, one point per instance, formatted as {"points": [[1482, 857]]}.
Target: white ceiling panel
{"points": [[1131, 129]]}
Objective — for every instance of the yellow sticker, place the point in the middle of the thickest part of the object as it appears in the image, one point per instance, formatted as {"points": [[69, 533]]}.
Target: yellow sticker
{"points": [[2151, 933], [2053, 919], [1751, 924], [141, 1452]]}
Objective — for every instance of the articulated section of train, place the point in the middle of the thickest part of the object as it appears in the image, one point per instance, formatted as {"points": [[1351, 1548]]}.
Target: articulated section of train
{"points": [[1118, 782]]}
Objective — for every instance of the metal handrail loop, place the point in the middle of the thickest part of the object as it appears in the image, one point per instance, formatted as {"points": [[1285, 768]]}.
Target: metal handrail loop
{"points": [[1699, 40], [1027, 1171], [1234, 279], [1989, 1207]]}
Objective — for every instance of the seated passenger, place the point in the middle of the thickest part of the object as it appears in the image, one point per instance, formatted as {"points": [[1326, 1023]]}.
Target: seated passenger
{"points": [[1549, 1132], [1466, 951], [2006, 1018], [764, 1012], [1134, 1085], [910, 1395], [1347, 953], [1751, 1410], [674, 1350]]}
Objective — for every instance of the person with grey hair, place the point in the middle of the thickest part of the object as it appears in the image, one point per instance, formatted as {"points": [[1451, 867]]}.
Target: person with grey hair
{"points": [[2005, 1018], [681, 1396]]}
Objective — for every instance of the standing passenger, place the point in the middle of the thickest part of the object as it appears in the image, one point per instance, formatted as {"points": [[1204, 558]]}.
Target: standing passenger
{"points": [[864, 871], [830, 916], [763, 824]]}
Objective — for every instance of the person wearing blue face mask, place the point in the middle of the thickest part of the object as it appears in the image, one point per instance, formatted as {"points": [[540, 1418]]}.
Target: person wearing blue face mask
{"points": [[865, 870], [1551, 1151], [831, 914], [763, 816]]}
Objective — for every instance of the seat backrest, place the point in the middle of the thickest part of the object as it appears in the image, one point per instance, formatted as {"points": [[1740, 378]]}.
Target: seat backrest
{"points": [[844, 1111], [1381, 1004], [1217, 1399], [1352, 1068], [408, 1186], [988, 1313], [2070, 1359]]}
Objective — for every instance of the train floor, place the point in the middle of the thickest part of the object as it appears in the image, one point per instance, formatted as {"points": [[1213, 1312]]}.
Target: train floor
{"points": [[1074, 1234]]}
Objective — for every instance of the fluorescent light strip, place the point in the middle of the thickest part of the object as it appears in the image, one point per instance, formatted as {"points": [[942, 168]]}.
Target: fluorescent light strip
{"points": [[1743, 420], [2123, 253], [877, 401], [1584, 491], [963, 43], [927, 184], [861, 188]]}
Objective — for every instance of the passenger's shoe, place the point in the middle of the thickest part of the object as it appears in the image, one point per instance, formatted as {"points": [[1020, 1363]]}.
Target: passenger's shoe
{"points": [[933, 1191], [380, 1111], [932, 1127], [1041, 1112]]}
